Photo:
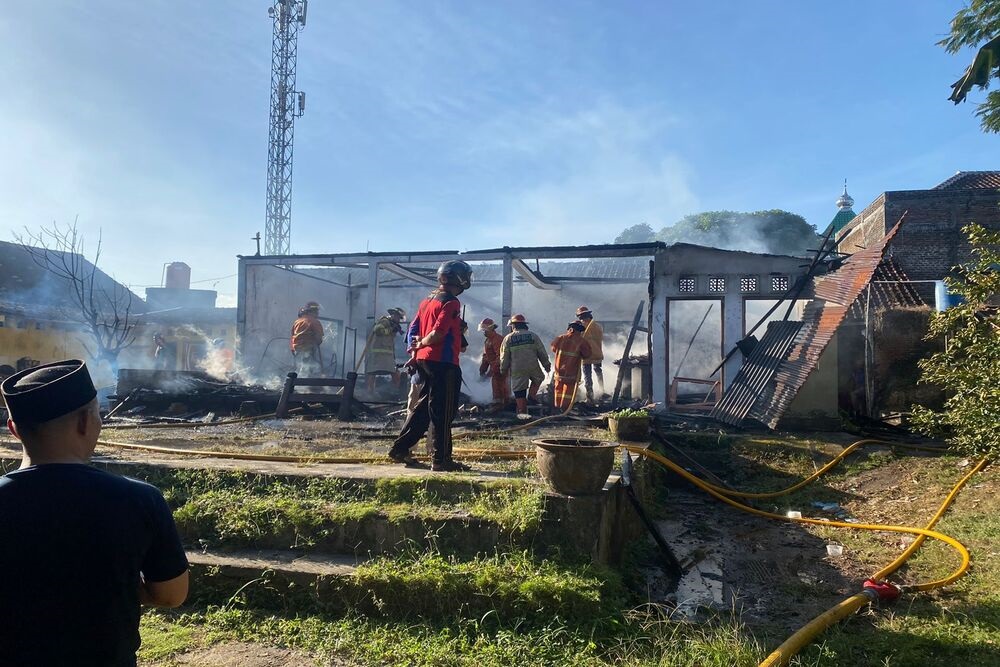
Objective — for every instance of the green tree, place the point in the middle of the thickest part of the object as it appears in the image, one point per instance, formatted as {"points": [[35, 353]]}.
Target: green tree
{"points": [[641, 233], [775, 231], [974, 25], [969, 366]]}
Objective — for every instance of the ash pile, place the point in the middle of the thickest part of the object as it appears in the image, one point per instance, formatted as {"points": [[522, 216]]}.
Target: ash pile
{"points": [[164, 395]]}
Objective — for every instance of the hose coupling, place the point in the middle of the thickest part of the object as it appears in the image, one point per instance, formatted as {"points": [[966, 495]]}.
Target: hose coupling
{"points": [[881, 591]]}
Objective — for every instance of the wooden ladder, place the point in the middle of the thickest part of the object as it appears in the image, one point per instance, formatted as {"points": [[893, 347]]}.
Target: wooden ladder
{"points": [[623, 365]]}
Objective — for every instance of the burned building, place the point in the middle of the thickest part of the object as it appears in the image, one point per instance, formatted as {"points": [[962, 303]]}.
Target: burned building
{"points": [[675, 285], [41, 320]]}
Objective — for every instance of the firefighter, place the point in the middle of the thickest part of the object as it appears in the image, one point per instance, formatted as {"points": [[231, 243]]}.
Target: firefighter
{"points": [[436, 335], [522, 358], [570, 349], [307, 336], [163, 356], [594, 335], [490, 365], [381, 358]]}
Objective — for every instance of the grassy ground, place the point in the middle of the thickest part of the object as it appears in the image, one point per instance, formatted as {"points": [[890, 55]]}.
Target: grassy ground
{"points": [[242, 509], [551, 613]]}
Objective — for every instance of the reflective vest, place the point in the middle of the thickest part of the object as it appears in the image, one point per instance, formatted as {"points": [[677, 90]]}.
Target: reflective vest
{"points": [[521, 353]]}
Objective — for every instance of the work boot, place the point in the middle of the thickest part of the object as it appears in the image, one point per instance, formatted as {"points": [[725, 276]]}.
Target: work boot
{"points": [[450, 466], [405, 458]]}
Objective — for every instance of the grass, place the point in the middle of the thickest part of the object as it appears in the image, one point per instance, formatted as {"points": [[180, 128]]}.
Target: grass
{"points": [[636, 639], [240, 509], [163, 637], [428, 609]]}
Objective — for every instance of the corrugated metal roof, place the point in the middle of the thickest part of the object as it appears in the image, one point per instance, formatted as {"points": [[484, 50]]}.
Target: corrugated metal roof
{"points": [[756, 372], [971, 180], [626, 269], [834, 295]]}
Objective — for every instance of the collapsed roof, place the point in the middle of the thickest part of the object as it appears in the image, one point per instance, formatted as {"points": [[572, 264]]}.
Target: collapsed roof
{"points": [[788, 353]]}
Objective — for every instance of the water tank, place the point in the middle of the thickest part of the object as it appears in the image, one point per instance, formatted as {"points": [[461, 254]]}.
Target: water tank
{"points": [[178, 276], [944, 298]]}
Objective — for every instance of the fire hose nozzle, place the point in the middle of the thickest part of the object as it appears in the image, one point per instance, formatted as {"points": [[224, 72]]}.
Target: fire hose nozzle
{"points": [[882, 591]]}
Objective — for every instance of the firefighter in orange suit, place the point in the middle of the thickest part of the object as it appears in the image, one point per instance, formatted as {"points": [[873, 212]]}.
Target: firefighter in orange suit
{"points": [[571, 349], [594, 335], [490, 365], [307, 336]]}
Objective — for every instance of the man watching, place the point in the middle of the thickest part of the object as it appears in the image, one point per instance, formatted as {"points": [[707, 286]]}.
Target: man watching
{"points": [[82, 548], [435, 337]]}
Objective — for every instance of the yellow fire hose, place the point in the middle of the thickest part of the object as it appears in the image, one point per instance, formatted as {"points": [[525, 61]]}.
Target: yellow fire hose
{"points": [[805, 635], [784, 653], [819, 473], [791, 646], [470, 454]]}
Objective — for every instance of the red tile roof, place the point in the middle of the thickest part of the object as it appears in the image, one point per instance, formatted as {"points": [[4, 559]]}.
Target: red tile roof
{"points": [[971, 180]]}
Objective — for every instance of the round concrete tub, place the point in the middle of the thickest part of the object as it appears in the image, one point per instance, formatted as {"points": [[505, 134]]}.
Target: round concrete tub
{"points": [[572, 466]]}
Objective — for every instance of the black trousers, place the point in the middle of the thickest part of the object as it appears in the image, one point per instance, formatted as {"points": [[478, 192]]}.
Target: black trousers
{"points": [[435, 409]]}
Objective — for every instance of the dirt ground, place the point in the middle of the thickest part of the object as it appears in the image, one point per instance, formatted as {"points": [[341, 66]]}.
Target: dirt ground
{"points": [[780, 574], [242, 654]]}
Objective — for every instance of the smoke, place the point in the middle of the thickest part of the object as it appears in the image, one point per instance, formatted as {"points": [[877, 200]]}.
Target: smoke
{"points": [[219, 362], [695, 338]]}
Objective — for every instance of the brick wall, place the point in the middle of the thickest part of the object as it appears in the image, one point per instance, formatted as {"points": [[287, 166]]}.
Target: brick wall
{"points": [[930, 242]]}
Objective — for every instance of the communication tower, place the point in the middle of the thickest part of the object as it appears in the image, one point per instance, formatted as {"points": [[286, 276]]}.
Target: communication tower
{"points": [[287, 104]]}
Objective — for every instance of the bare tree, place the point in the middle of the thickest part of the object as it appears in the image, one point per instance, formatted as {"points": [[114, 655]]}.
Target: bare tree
{"points": [[102, 307]]}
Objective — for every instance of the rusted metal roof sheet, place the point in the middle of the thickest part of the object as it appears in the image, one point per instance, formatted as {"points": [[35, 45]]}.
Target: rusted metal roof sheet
{"points": [[756, 372], [834, 295]]}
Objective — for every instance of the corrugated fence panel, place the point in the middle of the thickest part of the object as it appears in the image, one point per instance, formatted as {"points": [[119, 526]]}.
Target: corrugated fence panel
{"points": [[756, 372]]}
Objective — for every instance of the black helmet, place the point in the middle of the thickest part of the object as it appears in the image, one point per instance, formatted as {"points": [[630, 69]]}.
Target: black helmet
{"points": [[455, 272]]}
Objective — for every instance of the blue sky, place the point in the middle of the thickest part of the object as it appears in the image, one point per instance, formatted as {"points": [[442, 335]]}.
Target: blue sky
{"points": [[465, 125]]}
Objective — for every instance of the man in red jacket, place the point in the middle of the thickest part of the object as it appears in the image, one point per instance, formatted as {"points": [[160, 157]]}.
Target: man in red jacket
{"points": [[435, 337]]}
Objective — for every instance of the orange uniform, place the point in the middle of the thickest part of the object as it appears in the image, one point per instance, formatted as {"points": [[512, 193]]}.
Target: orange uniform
{"points": [[570, 349], [307, 333], [491, 364]]}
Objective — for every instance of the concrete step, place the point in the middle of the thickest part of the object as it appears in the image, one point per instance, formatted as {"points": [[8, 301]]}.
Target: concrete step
{"points": [[293, 565], [455, 533]]}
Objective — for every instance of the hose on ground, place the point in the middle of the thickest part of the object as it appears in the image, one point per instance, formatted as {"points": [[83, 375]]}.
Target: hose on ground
{"points": [[469, 454], [782, 655], [819, 473], [950, 541]]}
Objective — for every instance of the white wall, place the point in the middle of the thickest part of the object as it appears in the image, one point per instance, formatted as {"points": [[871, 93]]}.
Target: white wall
{"points": [[270, 302]]}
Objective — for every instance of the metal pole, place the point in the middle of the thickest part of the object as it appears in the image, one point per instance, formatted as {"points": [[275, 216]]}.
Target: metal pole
{"points": [[869, 354]]}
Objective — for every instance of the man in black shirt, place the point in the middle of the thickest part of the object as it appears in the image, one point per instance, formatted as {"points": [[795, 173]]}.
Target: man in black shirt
{"points": [[82, 549]]}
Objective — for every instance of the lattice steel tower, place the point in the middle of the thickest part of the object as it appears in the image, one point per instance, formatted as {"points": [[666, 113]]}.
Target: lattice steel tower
{"points": [[287, 104]]}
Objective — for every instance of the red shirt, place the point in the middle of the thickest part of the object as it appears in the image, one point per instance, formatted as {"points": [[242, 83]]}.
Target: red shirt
{"points": [[443, 313]]}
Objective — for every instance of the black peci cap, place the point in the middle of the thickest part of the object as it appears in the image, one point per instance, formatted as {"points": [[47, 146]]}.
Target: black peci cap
{"points": [[42, 393]]}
